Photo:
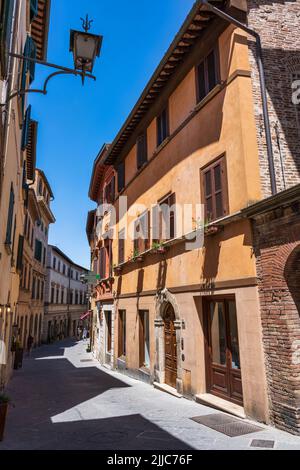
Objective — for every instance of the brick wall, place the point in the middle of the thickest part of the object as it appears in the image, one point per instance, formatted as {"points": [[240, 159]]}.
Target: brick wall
{"points": [[277, 247], [278, 24]]}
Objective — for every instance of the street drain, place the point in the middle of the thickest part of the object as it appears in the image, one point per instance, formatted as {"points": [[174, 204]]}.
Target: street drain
{"points": [[227, 425], [263, 444], [156, 435], [86, 360]]}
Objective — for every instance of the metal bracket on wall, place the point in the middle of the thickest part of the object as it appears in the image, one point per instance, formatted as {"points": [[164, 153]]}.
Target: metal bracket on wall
{"points": [[59, 71]]}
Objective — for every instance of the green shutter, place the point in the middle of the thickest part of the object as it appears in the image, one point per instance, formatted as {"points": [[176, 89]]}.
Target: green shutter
{"points": [[20, 253], [8, 239], [5, 33], [34, 9], [26, 128], [28, 66]]}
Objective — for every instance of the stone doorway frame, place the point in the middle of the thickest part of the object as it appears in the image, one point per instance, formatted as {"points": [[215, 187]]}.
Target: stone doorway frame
{"points": [[163, 299]]}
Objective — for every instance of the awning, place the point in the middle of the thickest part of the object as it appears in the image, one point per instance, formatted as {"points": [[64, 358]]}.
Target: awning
{"points": [[85, 315]]}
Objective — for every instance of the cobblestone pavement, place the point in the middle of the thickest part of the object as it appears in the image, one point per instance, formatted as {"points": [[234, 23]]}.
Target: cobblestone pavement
{"points": [[64, 400]]}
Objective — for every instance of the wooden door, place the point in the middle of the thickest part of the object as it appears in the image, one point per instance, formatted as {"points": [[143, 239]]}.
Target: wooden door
{"points": [[170, 348], [223, 368]]}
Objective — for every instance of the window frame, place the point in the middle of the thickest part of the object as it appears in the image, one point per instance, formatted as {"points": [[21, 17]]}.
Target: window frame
{"points": [[215, 51], [160, 138], [220, 160]]}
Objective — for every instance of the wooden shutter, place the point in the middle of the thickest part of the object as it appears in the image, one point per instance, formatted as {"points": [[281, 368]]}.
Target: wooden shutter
{"points": [[8, 239], [172, 202], [121, 176], [141, 150], [20, 253], [121, 246], [214, 190], [6, 22], [211, 71], [201, 83], [26, 128], [155, 223], [32, 55]]}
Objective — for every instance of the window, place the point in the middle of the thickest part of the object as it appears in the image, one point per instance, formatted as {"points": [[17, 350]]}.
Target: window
{"points": [[33, 288], [121, 247], [38, 289], [52, 295], [42, 290], [71, 297], [20, 253], [38, 250], [122, 333], [71, 273], [62, 295], [64, 269], [76, 276], [54, 263], [162, 126], [141, 150], [44, 256], [109, 191], [108, 332], [164, 219], [102, 263], [144, 340], [58, 267], [34, 8], [57, 295], [207, 75], [8, 240], [141, 233], [76, 298], [214, 190], [121, 177]]}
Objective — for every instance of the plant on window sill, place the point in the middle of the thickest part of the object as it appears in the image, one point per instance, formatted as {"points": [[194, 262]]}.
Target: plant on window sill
{"points": [[158, 247], [137, 256]]}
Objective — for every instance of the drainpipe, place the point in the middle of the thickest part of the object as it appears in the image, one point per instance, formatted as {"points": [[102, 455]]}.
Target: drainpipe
{"points": [[259, 58]]}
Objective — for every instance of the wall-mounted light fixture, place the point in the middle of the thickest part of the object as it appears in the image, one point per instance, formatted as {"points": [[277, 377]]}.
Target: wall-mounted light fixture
{"points": [[85, 48]]}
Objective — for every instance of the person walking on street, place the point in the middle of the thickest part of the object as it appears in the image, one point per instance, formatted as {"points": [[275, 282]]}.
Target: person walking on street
{"points": [[29, 344], [84, 334]]}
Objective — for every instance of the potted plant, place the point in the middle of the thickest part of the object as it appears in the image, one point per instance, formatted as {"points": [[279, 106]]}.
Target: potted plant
{"points": [[137, 256], [4, 402], [158, 248]]}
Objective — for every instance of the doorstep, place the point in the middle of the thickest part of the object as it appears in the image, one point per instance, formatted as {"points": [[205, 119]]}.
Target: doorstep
{"points": [[221, 404], [167, 388]]}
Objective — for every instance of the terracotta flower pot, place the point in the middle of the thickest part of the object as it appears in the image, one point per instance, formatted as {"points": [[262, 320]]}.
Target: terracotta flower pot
{"points": [[3, 413]]}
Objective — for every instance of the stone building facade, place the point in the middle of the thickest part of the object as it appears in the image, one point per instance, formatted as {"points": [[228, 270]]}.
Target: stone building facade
{"points": [[38, 217], [23, 28], [65, 297]]}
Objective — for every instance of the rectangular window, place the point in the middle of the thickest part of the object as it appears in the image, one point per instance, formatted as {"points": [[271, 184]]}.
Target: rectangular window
{"points": [[20, 253], [52, 295], [102, 263], [108, 332], [164, 219], [57, 295], [5, 34], [33, 288], [121, 176], [162, 126], [62, 296], [109, 191], [58, 267], [38, 250], [214, 190], [38, 289], [54, 263], [42, 290], [144, 339], [121, 241], [207, 75], [9, 226], [141, 150], [141, 233], [76, 298], [122, 333]]}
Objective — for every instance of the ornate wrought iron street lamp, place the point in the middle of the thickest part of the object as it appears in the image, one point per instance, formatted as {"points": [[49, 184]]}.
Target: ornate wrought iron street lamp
{"points": [[85, 47]]}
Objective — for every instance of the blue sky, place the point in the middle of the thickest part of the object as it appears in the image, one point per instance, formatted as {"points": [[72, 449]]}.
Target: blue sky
{"points": [[75, 121]]}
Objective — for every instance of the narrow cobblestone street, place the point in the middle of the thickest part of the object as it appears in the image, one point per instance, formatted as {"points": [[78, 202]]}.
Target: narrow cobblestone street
{"points": [[64, 400]]}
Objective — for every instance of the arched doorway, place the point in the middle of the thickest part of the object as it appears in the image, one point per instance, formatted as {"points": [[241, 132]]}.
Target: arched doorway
{"points": [[170, 346], [168, 330]]}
